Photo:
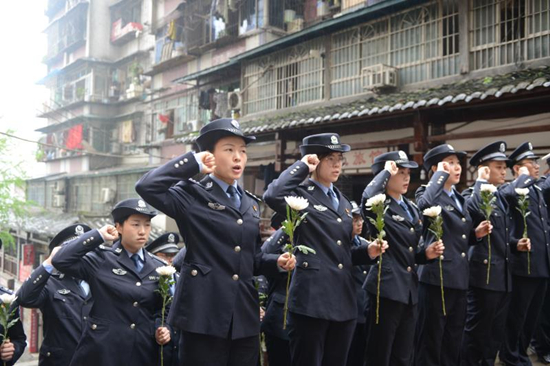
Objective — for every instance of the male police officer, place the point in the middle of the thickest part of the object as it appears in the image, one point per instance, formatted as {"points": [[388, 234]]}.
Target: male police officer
{"points": [[64, 301], [165, 246], [529, 275], [488, 294]]}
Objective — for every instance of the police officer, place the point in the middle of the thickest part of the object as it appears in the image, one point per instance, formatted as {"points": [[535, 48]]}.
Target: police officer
{"points": [[528, 289], [122, 328], [322, 304], [488, 301], [64, 301], [391, 340], [276, 338], [356, 354], [438, 336], [217, 301], [12, 348], [165, 246]]}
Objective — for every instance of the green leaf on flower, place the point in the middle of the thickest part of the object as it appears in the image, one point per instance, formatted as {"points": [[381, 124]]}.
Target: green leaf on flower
{"points": [[304, 249]]}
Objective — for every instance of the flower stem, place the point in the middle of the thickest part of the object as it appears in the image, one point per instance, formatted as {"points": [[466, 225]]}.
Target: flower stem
{"points": [[285, 310], [529, 250], [489, 262], [442, 291], [378, 288]]}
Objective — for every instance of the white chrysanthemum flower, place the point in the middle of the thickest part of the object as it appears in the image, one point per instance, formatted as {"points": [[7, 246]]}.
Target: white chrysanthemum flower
{"points": [[522, 191], [375, 200], [297, 203], [433, 211], [488, 188], [166, 271], [7, 298]]}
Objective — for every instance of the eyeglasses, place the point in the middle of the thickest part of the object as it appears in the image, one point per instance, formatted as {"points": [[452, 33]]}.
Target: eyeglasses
{"points": [[358, 221], [531, 162]]}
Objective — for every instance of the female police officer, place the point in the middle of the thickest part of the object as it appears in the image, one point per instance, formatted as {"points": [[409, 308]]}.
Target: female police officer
{"points": [[322, 304], [121, 327], [217, 303], [391, 340], [438, 335]]}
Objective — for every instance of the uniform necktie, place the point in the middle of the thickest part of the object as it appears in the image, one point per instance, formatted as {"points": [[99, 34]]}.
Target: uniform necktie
{"points": [[333, 199], [453, 196], [234, 197], [137, 262], [85, 287], [406, 209]]}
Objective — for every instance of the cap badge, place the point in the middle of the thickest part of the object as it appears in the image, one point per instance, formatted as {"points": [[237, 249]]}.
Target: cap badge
{"points": [[79, 230], [141, 204], [402, 155], [235, 124], [502, 148], [450, 147], [334, 139], [171, 238], [530, 146]]}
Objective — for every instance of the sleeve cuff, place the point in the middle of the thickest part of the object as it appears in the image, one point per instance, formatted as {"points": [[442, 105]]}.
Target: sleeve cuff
{"points": [[48, 267], [198, 162]]}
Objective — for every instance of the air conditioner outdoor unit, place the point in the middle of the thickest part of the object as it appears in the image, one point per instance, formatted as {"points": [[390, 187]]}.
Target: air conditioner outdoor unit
{"points": [[107, 195], [58, 200], [59, 187], [116, 147], [379, 76], [234, 100]]}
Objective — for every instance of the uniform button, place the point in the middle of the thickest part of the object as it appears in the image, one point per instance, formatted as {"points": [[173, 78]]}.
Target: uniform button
{"points": [[240, 221], [48, 354], [409, 269], [463, 255], [132, 326], [84, 318], [91, 238], [463, 236], [305, 264], [506, 259], [485, 261], [339, 219], [463, 219], [412, 229], [235, 277], [176, 165], [364, 272], [136, 304], [339, 242], [237, 248], [94, 326], [138, 284], [442, 257], [340, 266], [185, 160], [411, 249], [292, 172], [181, 162]]}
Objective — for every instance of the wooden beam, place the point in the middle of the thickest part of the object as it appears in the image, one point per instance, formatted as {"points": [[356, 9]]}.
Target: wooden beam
{"points": [[488, 133], [420, 132]]}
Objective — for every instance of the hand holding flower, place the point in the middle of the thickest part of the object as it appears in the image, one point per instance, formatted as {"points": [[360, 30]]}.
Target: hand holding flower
{"points": [[7, 350], [287, 261], [435, 250], [162, 335]]}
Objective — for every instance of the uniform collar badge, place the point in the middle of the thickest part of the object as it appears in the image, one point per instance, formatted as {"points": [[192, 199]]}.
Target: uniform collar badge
{"points": [[119, 271], [209, 185], [347, 210], [310, 188], [118, 250], [255, 208]]}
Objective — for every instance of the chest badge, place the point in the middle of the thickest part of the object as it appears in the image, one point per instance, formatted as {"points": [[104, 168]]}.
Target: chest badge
{"points": [[119, 271], [216, 206], [320, 208], [153, 278], [449, 208], [64, 291], [398, 218]]}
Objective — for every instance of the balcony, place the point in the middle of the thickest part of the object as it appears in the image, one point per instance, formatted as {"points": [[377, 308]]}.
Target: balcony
{"points": [[122, 33], [66, 43]]}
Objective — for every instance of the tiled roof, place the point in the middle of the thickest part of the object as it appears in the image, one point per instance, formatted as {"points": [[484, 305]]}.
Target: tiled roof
{"points": [[466, 91]]}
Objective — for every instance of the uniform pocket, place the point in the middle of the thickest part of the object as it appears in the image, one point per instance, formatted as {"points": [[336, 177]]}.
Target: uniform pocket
{"points": [[309, 264]]}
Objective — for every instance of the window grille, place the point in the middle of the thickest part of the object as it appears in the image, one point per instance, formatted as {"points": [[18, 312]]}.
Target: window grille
{"points": [[505, 32]]}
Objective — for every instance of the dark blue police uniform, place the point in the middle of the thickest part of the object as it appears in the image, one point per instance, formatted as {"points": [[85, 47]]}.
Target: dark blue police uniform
{"points": [[391, 341], [488, 302], [528, 290], [217, 303], [438, 337], [127, 307], [322, 304], [64, 303]]}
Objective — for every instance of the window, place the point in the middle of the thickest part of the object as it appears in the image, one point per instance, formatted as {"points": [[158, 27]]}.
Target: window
{"points": [[81, 195], [125, 186], [288, 78], [421, 42], [36, 192], [504, 32], [98, 204]]}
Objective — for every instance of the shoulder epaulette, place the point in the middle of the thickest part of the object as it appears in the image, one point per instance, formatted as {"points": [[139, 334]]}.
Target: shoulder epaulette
{"points": [[253, 196]]}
